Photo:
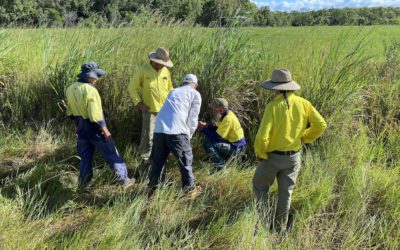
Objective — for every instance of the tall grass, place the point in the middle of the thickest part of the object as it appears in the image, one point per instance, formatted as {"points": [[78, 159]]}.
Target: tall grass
{"points": [[347, 194]]}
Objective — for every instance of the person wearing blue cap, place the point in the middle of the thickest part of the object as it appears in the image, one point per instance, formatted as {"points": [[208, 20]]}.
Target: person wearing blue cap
{"points": [[84, 107]]}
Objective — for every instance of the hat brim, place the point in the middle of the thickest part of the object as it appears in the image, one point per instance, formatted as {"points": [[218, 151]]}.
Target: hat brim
{"points": [[96, 73], [290, 86], [153, 57]]}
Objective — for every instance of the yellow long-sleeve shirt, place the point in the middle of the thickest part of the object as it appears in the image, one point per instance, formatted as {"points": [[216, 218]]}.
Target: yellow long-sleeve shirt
{"points": [[229, 128], [150, 87], [83, 100], [284, 129]]}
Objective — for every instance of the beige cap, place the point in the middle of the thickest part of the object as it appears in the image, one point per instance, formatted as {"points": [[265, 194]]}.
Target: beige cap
{"points": [[220, 102]]}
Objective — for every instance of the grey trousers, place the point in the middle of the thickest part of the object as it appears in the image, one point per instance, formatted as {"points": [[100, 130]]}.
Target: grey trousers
{"points": [[146, 139], [285, 169], [180, 147]]}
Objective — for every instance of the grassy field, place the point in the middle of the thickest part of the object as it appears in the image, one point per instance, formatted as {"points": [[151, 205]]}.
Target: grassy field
{"points": [[348, 193]]}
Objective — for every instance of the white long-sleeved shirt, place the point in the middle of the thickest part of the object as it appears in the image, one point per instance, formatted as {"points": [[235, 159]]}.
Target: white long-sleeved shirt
{"points": [[180, 112]]}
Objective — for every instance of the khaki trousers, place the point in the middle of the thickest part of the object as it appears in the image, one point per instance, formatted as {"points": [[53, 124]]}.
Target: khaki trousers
{"points": [[146, 139], [285, 169]]}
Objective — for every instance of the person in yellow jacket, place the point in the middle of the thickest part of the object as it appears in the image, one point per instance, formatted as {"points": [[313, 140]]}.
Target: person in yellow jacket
{"points": [[224, 140], [85, 108], [279, 140], [149, 89]]}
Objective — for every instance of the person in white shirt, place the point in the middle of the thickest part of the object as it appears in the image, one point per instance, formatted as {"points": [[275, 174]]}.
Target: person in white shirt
{"points": [[174, 127]]}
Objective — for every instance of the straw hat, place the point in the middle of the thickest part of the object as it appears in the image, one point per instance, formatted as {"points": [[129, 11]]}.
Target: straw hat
{"points": [[281, 80], [161, 56]]}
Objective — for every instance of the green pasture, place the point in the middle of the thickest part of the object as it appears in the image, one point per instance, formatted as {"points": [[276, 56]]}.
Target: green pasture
{"points": [[348, 193]]}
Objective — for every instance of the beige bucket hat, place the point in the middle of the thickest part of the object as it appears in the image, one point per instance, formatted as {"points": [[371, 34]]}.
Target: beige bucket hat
{"points": [[161, 56], [220, 103], [281, 80]]}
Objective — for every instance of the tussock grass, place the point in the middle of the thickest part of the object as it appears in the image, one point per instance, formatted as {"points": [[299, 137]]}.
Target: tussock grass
{"points": [[347, 194]]}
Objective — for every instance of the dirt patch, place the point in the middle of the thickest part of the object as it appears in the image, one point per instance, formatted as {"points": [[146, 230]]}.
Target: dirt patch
{"points": [[14, 166], [69, 224]]}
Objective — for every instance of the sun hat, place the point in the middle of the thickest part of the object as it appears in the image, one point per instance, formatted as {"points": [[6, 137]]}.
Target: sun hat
{"points": [[281, 80], [90, 70], [220, 103], [161, 56], [190, 78]]}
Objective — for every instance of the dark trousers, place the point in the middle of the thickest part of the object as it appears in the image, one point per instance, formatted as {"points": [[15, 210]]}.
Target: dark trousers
{"points": [[90, 138], [218, 151], [180, 147]]}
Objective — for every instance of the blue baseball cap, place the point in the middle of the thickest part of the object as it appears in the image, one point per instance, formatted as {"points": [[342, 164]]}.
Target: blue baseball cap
{"points": [[90, 70]]}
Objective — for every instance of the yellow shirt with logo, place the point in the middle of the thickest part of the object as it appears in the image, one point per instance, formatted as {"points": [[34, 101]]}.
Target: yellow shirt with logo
{"points": [[84, 100], [150, 87], [229, 128], [284, 129]]}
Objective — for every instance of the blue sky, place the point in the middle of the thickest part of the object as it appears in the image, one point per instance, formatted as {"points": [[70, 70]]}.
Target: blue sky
{"points": [[291, 5]]}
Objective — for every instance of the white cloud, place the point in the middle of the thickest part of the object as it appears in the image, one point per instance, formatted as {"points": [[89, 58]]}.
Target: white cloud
{"points": [[291, 5]]}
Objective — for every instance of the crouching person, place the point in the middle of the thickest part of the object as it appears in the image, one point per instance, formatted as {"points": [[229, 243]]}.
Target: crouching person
{"points": [[224, 140], [279, 140], [84, 107], [175, 125]]}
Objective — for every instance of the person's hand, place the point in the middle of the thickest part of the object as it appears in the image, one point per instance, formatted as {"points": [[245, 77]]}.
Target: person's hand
{"points": [[201, 125], [106, 133], [142, 107]]}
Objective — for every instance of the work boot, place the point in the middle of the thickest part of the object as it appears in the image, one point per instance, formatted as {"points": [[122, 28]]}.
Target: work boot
{"points": [[129, 182], [146, 163], [193, 193]]}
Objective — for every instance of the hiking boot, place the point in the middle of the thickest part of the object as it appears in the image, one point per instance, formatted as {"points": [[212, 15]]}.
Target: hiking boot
{"points": [[194, 192], [145, 164], [128, 183], [85, 188]]}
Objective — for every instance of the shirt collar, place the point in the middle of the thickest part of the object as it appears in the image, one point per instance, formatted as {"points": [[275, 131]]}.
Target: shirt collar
{"points": [[226, 111], [280, 96], [84, 81], [152, 69]]}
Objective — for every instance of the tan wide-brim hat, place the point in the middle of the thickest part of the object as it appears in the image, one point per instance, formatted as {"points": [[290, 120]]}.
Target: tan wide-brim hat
{"points": [[161, 56], [281, 80]]}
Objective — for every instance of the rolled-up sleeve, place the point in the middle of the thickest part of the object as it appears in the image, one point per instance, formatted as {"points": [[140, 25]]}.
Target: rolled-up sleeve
{"points": [[194, 111]]}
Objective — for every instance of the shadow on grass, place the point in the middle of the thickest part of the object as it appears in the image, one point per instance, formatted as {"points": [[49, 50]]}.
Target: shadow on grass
{"points": [[13, 167]]}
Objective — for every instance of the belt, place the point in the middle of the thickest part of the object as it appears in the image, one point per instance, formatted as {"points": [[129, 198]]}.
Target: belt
{"points": [[289, 153]]}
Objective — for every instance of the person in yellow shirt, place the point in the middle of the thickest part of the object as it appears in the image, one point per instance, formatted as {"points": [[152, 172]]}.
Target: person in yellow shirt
{"points": [[224, 140], [84, 107], [279, 140], [149, 89]]}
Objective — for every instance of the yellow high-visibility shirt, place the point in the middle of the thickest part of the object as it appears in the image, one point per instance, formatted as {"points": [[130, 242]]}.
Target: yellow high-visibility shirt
{"points": [[84, 100], [229, 128], [150, 87], [284, 129]]}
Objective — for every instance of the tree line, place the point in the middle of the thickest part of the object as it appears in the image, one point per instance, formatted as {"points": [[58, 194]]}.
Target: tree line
{"points": [[70, 13]]}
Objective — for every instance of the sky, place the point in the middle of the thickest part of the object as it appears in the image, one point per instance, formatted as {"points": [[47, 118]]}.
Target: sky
{"points": [[302, 5]]}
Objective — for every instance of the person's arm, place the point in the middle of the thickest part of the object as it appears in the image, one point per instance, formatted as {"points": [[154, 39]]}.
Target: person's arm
{"points": [[317, 128], [194, 111], [135, 88], [170, 87], [263, 134], [224, 127], [95, 112]]}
